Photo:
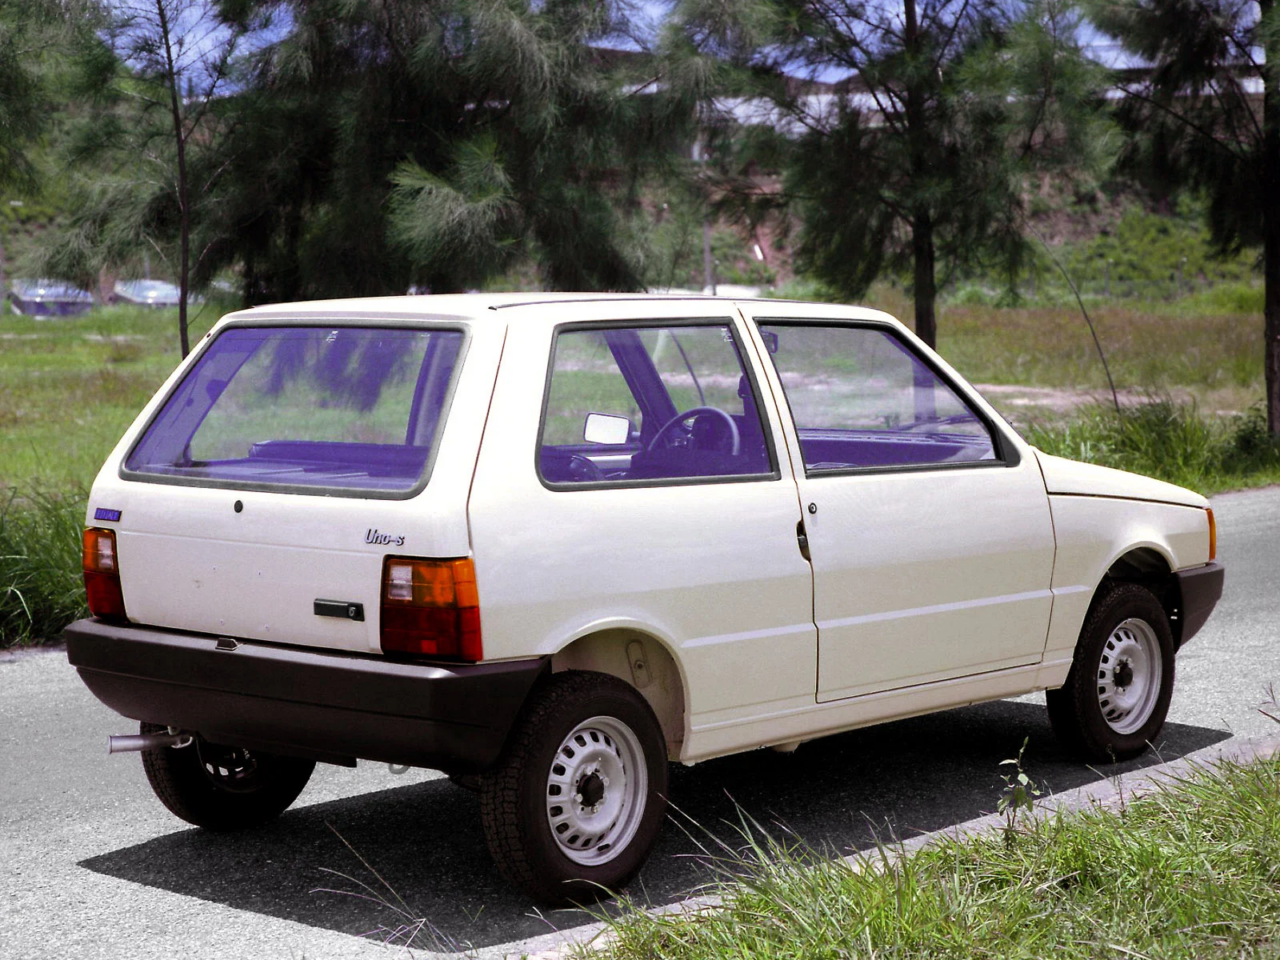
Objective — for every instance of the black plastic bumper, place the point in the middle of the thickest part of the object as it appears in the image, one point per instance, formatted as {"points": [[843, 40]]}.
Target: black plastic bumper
{"points": [[309, 703], [1200, 589]]}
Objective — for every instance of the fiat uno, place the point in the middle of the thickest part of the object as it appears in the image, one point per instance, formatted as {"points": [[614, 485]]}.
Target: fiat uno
{"points": [[549, 543]]}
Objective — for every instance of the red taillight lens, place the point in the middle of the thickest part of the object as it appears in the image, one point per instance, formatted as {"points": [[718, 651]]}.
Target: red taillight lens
{"points": [[431, 608], [102, 575]]}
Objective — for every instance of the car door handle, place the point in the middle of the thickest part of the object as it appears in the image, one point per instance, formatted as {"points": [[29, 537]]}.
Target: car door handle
{"points": [[802, 539]]}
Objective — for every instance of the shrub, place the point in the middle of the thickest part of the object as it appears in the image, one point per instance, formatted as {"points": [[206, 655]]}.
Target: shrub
{"points": [[1227, 298], [1169, 441], [41, 590]]}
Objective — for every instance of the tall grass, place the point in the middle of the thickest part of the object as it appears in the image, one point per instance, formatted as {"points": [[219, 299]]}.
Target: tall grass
{"points": [[41, 590], [1191, 872], [1169, 441]]}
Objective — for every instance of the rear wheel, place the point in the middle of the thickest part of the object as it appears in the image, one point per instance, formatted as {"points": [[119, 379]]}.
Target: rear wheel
{"points": [[574, 806], [1117, 694], [223, 788]]}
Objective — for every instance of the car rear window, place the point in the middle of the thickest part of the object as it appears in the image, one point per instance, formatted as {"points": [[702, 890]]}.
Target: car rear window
{"points": [[347, 409]]}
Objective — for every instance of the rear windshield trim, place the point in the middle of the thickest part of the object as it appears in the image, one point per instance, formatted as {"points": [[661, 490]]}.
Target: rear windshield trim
{"points": [[296, 488]]}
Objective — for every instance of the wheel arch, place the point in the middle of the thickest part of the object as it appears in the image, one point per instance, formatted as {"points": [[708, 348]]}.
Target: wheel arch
{"points": [[1151, 567], [645, 662]]}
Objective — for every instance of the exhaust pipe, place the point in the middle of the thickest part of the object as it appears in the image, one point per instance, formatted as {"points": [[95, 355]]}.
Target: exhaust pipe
{"points": [[133, 743]]}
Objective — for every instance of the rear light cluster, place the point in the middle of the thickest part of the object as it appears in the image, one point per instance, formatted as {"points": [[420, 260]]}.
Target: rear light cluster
{"points": [[102, 575], [1213, 535], [431, 608]]}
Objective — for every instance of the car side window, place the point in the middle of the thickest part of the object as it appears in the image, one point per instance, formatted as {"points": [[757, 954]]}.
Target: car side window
{"points": [[862, 398], [650, 403]]}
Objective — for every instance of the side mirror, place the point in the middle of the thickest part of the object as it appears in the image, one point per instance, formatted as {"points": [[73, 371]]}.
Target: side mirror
{"points": [[604, 428], [770, 340]]}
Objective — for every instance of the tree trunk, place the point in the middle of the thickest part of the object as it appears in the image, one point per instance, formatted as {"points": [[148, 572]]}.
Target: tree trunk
{"points": [[184, 209], [922, 251], [1271, 217], [708, 266], [925, 291]]}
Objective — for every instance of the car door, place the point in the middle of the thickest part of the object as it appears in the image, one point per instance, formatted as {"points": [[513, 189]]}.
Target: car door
{"points": [[928, 525], [681, 525]]}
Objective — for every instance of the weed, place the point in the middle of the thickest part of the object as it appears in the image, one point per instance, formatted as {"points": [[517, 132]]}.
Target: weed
{"points": [[408, 930], [1271, 706], [1019, 794]]}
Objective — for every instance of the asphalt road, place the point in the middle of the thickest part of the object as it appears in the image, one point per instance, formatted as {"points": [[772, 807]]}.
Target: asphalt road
{"points": [[92, 866]]}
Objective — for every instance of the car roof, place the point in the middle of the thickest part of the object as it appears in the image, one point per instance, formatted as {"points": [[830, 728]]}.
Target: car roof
{"points": [[481, 308]]}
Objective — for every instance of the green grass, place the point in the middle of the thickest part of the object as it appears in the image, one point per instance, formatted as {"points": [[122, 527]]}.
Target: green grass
{"points": [[69, 388], [1191, 872], [1209, 343], [40, 583]]}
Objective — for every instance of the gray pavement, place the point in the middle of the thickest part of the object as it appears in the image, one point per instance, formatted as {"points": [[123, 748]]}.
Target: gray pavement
{"points": [[92, 866]]}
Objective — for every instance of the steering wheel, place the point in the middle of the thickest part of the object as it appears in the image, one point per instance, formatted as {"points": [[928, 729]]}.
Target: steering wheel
{"points": [[583, 469], [692, 413]]}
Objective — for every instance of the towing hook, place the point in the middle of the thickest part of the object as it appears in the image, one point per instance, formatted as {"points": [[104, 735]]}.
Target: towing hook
{"points": [[132, 743]]}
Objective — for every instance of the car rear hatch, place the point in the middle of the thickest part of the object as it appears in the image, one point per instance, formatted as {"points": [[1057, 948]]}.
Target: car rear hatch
{"points": [[263, 495]]}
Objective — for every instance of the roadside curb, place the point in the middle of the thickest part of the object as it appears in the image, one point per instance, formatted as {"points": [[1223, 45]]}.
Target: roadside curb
{"points": [[1111, 792]]}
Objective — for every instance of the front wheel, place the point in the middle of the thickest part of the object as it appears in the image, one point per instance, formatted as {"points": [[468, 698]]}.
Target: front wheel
{"points": [[1117, 694], [574, 806], [223, 788]]}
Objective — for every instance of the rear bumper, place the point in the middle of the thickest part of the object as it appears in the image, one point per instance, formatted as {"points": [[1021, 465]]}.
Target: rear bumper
{"points": [[1200, 589], [318, 704]]}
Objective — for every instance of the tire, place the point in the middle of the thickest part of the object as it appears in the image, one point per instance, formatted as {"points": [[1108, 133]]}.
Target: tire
{"points": [[222, 788], [1117, 694], [594, 735], [467, 781]]}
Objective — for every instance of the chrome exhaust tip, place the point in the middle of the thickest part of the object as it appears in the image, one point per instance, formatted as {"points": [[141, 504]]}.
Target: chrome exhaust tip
{"points": [[133, 743]]}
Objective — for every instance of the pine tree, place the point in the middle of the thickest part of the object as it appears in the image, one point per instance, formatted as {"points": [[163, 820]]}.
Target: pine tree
{"points": [[915, 162], [358, 147], [382, 144], [151, 78], [1203, 110], [33, 36]]}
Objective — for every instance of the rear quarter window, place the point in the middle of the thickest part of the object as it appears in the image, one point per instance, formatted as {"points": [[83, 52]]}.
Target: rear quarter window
{"points": [[354, 410]]}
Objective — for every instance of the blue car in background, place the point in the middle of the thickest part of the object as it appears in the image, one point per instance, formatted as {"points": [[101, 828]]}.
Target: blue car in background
{"points": [[48, 298], [148, 293]]}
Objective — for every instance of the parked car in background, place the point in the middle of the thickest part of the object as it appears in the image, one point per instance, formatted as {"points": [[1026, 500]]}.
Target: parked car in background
{"points": [[548, 543], [149, 293], [48, 298]]}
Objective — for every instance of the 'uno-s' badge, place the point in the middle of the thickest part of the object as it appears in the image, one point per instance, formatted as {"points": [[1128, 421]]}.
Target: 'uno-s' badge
{"points": [[383, 539]]}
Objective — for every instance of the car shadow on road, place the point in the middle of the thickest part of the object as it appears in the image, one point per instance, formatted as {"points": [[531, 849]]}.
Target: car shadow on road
{"points": [[840, 793]]}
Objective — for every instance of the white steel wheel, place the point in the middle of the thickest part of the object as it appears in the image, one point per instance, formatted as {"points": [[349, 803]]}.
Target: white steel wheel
{"points": [[1117, 692], [573, 807], [596, 790], [1129, 675]]}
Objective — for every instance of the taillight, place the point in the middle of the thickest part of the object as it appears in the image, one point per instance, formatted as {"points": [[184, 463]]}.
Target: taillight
{"points": [[431, 608], [102, 575], [1213, 535]]}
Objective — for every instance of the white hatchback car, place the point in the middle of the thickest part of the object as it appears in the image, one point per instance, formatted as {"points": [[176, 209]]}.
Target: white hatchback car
{"points": [[547, 544]]}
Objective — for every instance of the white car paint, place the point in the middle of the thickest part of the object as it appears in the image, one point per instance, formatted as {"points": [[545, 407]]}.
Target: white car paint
{"points": [[1090, 480], [190, 561], [933, 589]]}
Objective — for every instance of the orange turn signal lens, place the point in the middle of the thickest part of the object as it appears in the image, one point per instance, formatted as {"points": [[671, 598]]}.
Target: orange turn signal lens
{"points": [[102, 575], [431, 608], [100, 551], [1213, 535]]}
